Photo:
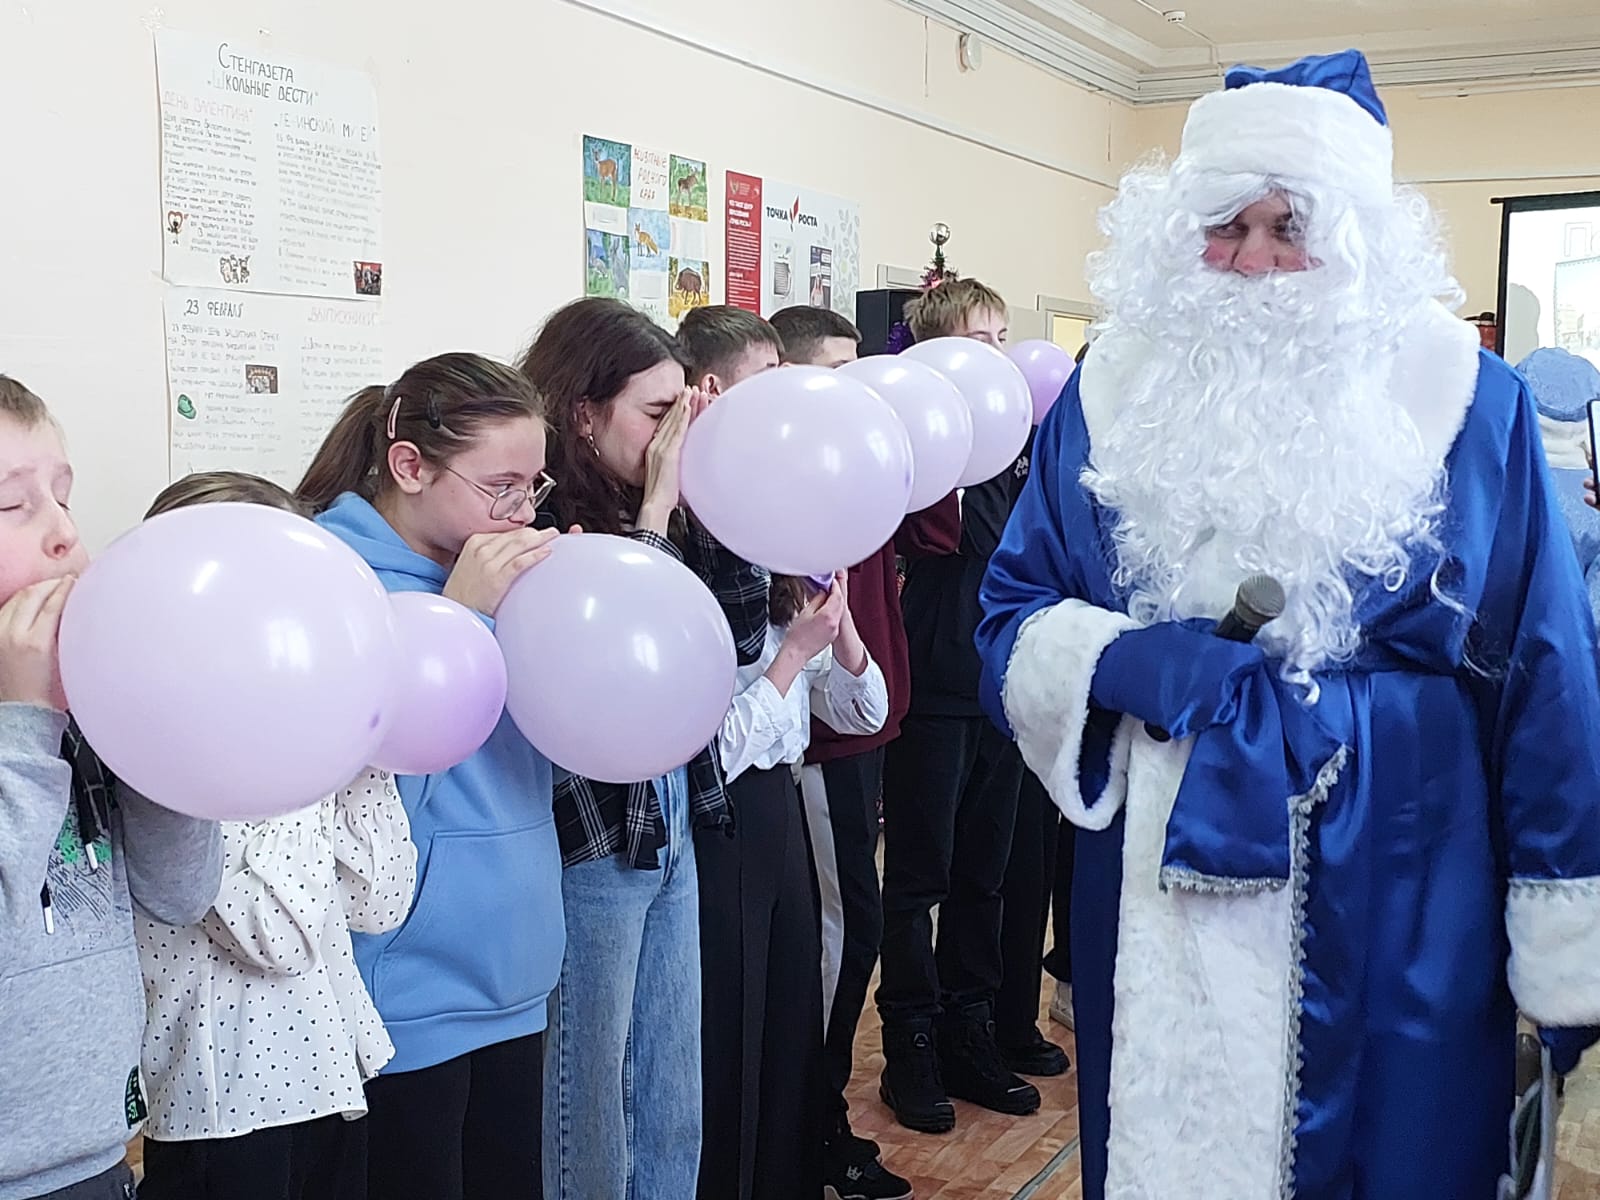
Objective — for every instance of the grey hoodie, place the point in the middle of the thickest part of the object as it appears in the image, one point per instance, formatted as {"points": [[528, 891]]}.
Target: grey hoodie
{"points": [[71, 996]]}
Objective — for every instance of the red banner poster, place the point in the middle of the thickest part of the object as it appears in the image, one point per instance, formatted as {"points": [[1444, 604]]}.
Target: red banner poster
{"points": [[743, 239]]}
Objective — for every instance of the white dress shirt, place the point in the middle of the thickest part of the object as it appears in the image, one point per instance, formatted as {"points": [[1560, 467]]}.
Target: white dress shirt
{"points": [[764, 729]]}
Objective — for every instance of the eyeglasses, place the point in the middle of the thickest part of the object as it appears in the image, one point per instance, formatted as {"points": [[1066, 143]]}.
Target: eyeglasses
{"points": [[508, 501]]}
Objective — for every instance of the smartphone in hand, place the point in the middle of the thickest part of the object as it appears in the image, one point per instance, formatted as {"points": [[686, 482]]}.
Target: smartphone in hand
{"points": [[1594, 438]]}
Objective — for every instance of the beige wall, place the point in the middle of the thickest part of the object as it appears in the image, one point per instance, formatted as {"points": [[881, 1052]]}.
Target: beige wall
{"points": [[483, 106], [1463, 152]]}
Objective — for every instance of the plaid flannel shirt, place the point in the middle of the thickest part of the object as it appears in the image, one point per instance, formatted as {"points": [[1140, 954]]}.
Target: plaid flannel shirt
{"points": [[594, 820]]}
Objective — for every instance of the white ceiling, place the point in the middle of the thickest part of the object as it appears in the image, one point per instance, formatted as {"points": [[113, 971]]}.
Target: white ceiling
{"points": [[1246, 21], [1127, 47]]}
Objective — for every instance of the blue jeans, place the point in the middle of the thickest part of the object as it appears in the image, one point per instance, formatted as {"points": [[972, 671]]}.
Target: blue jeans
{"points": [[622, 1053]]}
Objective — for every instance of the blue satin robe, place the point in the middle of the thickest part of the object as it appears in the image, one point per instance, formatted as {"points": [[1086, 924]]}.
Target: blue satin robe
{"points": [[1475, 758]]}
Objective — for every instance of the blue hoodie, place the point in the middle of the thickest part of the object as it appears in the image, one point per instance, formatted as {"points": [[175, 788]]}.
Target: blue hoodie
{"points": [[481, 950]]}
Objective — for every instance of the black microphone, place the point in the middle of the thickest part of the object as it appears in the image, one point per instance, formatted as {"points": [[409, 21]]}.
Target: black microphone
{"points": [[1258, 602]]}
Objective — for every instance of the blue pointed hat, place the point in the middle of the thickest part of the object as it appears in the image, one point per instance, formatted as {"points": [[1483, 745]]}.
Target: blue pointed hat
{"points": [[1318, 122]]}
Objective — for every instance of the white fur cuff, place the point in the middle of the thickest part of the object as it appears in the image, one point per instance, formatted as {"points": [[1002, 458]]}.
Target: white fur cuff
{"points": [[1292, 133], [1554, 925], [1046, 697]]}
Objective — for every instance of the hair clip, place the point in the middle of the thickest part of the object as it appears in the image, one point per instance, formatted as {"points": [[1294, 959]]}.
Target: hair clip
{"points": [[394, 415], [430, 410]]}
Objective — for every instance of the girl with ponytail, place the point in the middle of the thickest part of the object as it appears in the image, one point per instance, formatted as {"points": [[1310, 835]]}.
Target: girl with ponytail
{"points": [[434, 480]]}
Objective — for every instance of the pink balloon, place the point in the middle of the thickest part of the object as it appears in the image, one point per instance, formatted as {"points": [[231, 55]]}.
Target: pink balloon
{"points": [[995, 391], [230, 661], [620, 660], [1046, 367], [804, 471], [934, 414], [451, 689]]}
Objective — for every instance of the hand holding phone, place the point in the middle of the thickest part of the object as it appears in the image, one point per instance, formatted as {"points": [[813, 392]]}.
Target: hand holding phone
{"points": [[1591, 486]]}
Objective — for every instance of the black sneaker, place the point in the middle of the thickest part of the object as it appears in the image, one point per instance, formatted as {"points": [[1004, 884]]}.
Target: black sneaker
{"points": [[851, 1171], [970, 1062], [911, 1084], [1038, 1057]]}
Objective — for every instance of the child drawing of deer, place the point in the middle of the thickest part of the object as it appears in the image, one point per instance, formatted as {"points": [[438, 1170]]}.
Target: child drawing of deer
{"points": [[686, 185], [606, 168]]}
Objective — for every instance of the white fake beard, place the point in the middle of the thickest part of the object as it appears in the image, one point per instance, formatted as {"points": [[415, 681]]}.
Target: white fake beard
{"points": [[1259, 436]]}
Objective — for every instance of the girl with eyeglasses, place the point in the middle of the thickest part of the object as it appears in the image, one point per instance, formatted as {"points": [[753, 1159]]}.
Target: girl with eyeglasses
{"points": [[434, 480]]}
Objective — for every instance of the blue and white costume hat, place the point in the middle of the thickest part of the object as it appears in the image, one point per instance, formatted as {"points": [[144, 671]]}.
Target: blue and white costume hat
{"points": [[1317, 121]]}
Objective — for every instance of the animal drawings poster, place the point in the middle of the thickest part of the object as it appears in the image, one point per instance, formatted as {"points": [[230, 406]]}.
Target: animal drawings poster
{"points": [[645, 215], [788, 245]]}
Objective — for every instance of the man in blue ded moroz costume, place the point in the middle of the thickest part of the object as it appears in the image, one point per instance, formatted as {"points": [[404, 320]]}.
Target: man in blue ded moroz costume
{"points": [[1317, 874]]}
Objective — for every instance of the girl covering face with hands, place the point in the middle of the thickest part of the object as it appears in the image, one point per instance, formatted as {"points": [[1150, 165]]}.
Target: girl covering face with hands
{"points": [[622, 1068]]}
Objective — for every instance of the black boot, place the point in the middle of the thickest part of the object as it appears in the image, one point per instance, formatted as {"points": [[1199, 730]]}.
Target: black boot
{"points": [[970, 1063], [911, 1085], [1037, 1056]]}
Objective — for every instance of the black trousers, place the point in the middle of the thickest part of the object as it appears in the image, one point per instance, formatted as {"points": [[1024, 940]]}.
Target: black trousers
{"points": [[324, 1159], [467, 1129], [115, 1184], [1059, 961], [841, 800], [761, 987], [1030, 883], [949, 808]]}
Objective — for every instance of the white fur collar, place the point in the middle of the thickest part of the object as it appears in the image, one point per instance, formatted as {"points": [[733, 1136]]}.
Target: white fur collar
{"points": [[1565, 443], [1435, 376]]}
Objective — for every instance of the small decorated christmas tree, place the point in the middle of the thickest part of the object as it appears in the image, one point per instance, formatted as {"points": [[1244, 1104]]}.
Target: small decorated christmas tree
{"points": [[932, 276], [937, 271]]}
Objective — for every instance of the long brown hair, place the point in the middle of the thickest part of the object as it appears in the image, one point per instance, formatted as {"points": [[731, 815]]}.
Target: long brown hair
{"points": [[440, 405], [586, 353]]}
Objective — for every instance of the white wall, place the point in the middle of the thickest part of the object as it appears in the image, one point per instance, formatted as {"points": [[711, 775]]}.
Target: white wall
{"points": [[483, 104], [1463, 152]]}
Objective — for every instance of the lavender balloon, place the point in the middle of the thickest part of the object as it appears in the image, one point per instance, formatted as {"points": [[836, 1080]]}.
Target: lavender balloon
{"points": [[804, 471], [451, 690], [995, 391], [620, 661], [1046, 367], [230, 661], [935, 416]]}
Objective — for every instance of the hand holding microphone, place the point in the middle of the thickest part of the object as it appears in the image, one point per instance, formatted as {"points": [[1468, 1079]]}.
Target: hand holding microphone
{"points": [[1258, 602]]}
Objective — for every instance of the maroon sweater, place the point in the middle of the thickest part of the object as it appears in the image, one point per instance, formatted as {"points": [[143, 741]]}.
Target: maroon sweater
{"points": [[875, 605]]}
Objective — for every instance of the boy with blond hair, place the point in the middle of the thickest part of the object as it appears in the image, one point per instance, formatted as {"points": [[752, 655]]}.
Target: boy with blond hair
{"points": [[959, 308], [950, 790], [77, 851]]}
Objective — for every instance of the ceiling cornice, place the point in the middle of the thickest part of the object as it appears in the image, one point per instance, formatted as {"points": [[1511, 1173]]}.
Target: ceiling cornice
{"points": [[1036, 42], [1103, 56]]}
